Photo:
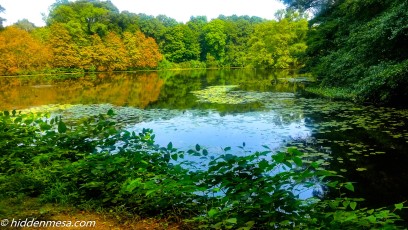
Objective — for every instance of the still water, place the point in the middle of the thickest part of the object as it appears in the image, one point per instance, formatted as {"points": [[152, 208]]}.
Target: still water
{"points": [[231, 108]]}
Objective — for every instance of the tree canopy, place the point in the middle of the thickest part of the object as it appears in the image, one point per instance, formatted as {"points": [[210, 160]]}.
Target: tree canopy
{"points": [[361, 46], [92, 35]]}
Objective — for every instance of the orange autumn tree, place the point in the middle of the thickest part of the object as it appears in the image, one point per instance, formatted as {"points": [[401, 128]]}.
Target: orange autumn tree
{"points": [[117, 58], [65, 52], [108, 54], [93, 56], [142, 51], [21, 53]]}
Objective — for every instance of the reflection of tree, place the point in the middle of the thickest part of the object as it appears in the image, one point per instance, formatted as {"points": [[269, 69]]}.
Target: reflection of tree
{"points": [[137, 90], [163, 89], [176, 93]]}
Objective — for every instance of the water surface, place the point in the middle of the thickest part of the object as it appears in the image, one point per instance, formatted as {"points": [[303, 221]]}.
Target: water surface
{"points": [[220, 108]]}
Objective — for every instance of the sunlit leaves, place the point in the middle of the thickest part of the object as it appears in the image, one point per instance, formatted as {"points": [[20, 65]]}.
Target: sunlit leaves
{"points": [[20, 52], [65, 52], [278, 44]]}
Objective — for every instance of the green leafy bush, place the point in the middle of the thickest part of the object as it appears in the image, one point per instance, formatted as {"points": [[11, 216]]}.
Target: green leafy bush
{"points": [[361, 46], [92, 163]]}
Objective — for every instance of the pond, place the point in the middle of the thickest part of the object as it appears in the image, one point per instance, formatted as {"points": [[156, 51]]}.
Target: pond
{"points": [[247, 110]]}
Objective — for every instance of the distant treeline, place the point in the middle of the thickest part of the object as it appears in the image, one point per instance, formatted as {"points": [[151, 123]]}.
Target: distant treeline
{"points": [[92, 35]]}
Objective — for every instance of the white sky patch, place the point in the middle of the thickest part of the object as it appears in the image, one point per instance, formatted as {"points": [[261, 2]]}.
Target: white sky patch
{"points": [[181, 10]]}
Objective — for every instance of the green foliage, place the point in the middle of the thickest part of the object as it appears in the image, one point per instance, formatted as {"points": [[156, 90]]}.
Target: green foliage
{"points": [[91, 161], [167, 65], [279, 44], [215, 39], [332, 93], [180, 44], [361, 45], [90, 16], [88, 35]]}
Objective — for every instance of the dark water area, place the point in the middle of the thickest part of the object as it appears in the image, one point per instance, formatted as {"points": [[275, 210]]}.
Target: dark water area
{"points": [[368, 145]]}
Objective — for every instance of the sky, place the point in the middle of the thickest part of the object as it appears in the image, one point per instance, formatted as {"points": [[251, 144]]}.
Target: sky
{"points": [[181, 10]]}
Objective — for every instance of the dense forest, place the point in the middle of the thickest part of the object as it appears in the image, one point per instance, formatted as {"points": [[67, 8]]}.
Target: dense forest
{"points": [[361, 46], [95, 36]]}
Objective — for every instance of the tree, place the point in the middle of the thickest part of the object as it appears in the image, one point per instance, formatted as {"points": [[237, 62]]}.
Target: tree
{"points": [[24, 24], [196, 25], [142, 51], [19, 52], [124, 22], [104, 55], [215, 39], [313, 5], [115, 52], [65, 51], [278, 44], [362, 46], [238, 30], [2, 19], [93, 16], [151, 27], [180, 44]]}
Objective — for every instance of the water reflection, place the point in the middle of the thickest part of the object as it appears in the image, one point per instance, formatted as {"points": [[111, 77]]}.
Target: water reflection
{"points": [[138, 90], [215, 131]]}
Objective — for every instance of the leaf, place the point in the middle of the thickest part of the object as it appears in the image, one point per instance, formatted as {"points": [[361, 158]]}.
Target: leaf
{"points": [[150, 192], [279, 157], [349, 186], [361, 169], [294, 152], [287, 164], [399, 206], [197, 147], [170, 146], [353, 205], [351, 217], [298, 161], [205, 152], [332, 184], [231, 220], [110, 112], [227, 149], [174, 157], [372, 219], [62, 128], [346, 203], [263, 164], [212, 212]]}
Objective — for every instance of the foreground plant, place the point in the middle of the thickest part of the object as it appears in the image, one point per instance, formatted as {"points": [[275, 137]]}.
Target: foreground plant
{"points": [[91, 163]]}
